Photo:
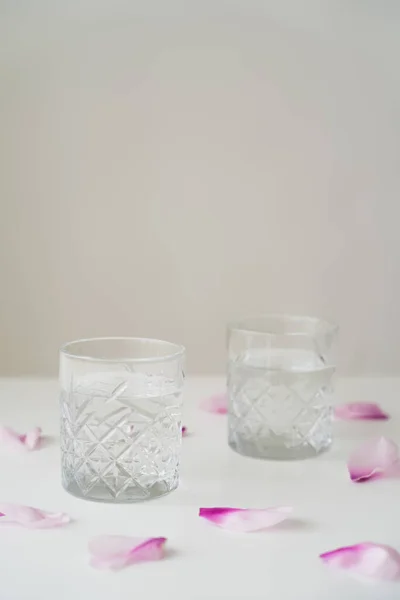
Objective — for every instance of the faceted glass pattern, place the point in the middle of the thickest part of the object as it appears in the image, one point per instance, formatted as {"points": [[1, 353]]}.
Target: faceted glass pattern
{"points": [[121, 434], [279, 420], [280, 392]]}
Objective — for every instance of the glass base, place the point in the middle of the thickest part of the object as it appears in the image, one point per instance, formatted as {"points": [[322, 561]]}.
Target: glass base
{"points": [[257, 449], [129, 495]]}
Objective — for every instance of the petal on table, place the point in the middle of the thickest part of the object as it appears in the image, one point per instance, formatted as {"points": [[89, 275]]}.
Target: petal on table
{"points": [[16, 441], [245, 520], [360, 410], [374, 458], [218, 403], [32, 439], [118, 551], [32, 518], [367, 559]]}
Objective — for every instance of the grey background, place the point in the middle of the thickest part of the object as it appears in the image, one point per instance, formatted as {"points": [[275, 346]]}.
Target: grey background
{"points": [[168, 166]]}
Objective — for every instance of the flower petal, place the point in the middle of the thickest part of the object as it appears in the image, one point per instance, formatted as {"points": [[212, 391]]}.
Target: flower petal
{"points": [[373, 459], [218, 403], [11, 438], [360, 410], [245, 520], [25, 441], [367, 559], [32, 518], [118, 551], [184, 431], [32, 439]]}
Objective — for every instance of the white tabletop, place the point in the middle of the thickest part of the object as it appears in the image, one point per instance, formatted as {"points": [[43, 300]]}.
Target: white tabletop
{"points": [[205, 562]]}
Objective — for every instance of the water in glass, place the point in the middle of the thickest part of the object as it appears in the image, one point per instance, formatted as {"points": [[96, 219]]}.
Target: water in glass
{"points": [[120, 436], [280, 403]]}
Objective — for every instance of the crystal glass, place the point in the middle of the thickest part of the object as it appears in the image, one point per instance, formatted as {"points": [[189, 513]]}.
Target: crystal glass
{"points": [[121, 418], [280, 370]]}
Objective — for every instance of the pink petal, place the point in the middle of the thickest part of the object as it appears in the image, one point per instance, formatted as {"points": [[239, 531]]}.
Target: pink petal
{"points": [[184, 431], [373, 459], [360, 410], [367, 559], [118, 551], [11, 438], [218, 403], [32, 439], [245, 520], [15, 441], [32, 518]]}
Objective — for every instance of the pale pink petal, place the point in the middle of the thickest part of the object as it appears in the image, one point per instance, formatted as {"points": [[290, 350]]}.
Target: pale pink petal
{"points": [[367, 559], [245, 520], [118, 551], [184, 431], [375, 458], [32, 439], [360, 410], [218, 403], [32, 518], [11, 438], [16, 441]]}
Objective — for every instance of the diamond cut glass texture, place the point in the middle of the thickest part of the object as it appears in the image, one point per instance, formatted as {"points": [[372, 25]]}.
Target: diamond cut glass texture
{"points": [[280, 387], [121, 430]]}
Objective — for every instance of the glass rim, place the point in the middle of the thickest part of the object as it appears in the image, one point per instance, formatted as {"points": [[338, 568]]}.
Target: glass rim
{"points": [[65, 350], [243, 325]]}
